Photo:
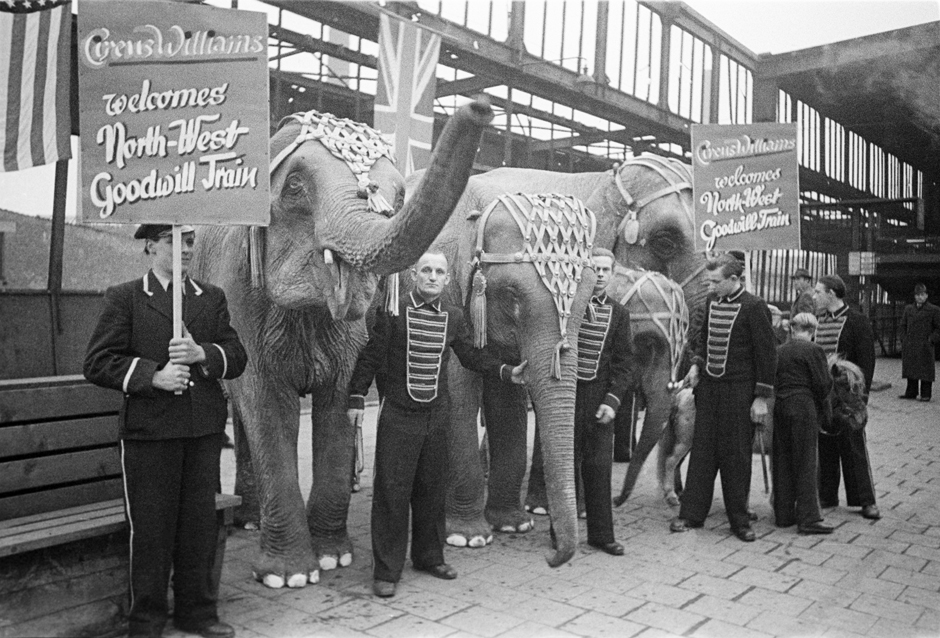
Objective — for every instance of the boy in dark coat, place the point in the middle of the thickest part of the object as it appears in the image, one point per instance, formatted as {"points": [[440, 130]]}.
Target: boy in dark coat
{"points": [[172, 430], [802, 386], [920, 333]]}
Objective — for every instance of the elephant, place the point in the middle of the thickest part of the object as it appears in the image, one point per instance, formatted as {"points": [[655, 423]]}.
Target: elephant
{"points": [[298, 291], [644, 215]]}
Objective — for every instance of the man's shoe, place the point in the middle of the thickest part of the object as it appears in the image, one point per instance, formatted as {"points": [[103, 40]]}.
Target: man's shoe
{"points": [[746, 534], [924, 399], [213, 629], [682, 525], [872, 512], [383, 588], [613, 548], [814, 528], [443, 570], [907, 396]]}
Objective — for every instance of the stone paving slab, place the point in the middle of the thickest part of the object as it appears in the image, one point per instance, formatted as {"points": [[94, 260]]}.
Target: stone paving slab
{"points": [[874, 579]]}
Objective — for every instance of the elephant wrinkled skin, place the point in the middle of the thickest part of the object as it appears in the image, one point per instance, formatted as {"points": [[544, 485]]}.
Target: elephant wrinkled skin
{"points": [[304, 325], [652, 233]]}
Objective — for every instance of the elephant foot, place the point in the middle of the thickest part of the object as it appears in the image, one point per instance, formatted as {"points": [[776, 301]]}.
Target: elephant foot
{"points": [[671, 498], [332, 551], [277, 571], [510, 521], [468, 533]]}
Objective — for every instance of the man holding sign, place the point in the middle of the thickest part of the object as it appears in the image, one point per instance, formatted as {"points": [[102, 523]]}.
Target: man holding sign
{"points": [[171, 430]]}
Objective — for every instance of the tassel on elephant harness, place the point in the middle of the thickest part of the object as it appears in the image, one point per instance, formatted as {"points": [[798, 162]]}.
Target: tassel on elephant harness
{"points": [[558, 237], [359, 146]]}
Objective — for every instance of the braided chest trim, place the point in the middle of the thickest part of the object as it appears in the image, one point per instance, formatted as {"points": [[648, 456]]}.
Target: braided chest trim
{"points": [[828, 332], [427, 338], [591, 341], [721, 319]]}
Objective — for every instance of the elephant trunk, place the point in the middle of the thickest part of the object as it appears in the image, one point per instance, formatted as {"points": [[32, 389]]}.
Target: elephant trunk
{"points": [[386, 246], [554, 409], [689, 272]]}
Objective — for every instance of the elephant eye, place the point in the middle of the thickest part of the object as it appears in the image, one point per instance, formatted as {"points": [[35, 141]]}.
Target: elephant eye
{"points": [[665, 244], [293, 185]]}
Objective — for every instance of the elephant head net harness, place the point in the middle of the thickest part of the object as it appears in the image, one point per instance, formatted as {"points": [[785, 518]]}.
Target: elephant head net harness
{"points": [[359, 146], [678, 178], [558, 237]]}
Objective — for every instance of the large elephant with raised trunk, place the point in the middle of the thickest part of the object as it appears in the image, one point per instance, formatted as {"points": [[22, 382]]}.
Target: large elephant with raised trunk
{"points": [[298, 291], [644, 215]]}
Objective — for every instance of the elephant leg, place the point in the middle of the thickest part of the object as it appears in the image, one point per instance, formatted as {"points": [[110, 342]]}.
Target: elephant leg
{"points": [[658, 406], [270, 419], [466, 525], [506, 418], [333, 454], [536, 499], [248, 514]]}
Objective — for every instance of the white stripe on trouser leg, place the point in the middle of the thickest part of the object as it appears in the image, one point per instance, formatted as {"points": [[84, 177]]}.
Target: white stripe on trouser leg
{"points": [[130, 522]]}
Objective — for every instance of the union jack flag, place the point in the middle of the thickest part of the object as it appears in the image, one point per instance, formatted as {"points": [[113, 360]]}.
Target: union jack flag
{"points": [[404, 100], [35, 49]]}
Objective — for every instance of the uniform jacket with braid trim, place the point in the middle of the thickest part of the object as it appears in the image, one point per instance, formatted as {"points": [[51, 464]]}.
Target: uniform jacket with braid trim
{"points": [[131, 341], [856, 341], [750, 350], [614, 370], [388, 351]]}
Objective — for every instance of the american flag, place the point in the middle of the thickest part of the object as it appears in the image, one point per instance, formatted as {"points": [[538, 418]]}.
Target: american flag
{"points": [[35, 49], [404, 101]]}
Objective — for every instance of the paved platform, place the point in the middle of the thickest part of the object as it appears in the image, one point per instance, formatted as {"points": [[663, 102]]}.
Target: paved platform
{"points": [[867, 579]]}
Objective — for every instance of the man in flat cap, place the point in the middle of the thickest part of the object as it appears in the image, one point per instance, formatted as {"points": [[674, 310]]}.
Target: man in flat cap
{"points": [[171, 430], [803, 285], [920, 333]]}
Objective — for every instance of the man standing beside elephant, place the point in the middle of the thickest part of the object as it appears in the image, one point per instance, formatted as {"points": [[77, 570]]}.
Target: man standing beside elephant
{"points": [[605, 373], [737, 350], [411, 442]]}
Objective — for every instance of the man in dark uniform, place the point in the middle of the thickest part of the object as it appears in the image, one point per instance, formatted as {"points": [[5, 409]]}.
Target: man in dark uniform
{"points": [[846, 332], [604, 375], [803, 285], [737, 352], [172, 426], [411, 442], [920, 333]]}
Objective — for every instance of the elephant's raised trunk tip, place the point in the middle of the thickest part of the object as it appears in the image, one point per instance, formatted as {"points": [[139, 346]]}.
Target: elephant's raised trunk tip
{"points": [[561, 556], [481, 109]]}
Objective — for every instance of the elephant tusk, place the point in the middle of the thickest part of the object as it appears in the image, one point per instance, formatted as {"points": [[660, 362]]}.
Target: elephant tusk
{"points": [[327, 256]]}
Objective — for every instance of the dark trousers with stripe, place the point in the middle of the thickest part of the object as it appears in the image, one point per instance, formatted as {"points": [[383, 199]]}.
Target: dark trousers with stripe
{"points": [[721, 444], [410, 479], [795, 462], [926, 388], [170, 489], [848, 451], [593, 454]]}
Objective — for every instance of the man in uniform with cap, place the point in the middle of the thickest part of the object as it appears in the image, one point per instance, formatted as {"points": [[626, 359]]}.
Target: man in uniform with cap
{"points": [[920, 332], [845, 331], [171, 430], [803, 285]]}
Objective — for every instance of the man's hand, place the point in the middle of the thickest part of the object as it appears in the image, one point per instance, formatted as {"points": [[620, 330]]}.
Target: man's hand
{"points": [[759, 411], [172, 377], [516, 373], [691, 378], [355, 417], [186, 351], [605, 414]]}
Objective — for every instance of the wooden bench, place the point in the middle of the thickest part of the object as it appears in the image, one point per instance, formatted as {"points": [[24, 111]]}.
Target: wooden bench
{"points": [[63, 535]]}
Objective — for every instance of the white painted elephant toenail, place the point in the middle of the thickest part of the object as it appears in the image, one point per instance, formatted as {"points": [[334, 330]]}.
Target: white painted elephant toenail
{"points": [[456, 540], [313, 577], [507, 528], [327, 563], [297, 581], [345, 560], [273, 581], [539, 510], [525, 527], [480, 541], [251, 526]]}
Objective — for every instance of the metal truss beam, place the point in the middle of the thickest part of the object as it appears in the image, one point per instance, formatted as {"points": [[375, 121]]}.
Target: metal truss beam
{"points": [[467, 86]]}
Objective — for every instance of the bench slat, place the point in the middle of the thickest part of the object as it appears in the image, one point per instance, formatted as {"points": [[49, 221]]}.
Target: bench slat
{"points": [[35, 438], [66, 517], [84, 525], [52, 500], [62, 511], [59, 468], [35, 402]]}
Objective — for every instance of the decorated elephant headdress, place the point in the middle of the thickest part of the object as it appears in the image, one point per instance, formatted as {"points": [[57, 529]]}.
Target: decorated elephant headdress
{"points": [[558, 237]]}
